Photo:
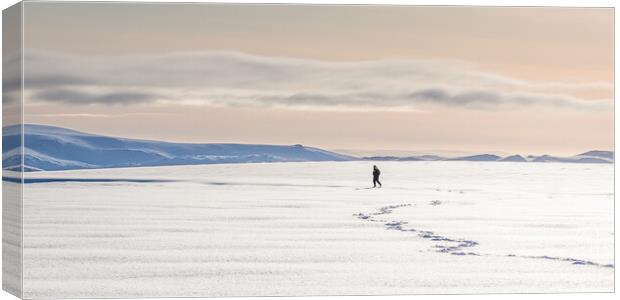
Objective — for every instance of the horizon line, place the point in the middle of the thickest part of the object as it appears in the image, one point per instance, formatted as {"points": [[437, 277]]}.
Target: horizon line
{"points": [[504, 154]]}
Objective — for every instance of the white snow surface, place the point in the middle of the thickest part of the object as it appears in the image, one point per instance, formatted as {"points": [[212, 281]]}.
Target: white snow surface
{"points": [[316, 228]]}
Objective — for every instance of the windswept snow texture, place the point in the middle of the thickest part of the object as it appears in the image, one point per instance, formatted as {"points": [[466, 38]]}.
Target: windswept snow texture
{"points": [[317, 228], [53, 148]]}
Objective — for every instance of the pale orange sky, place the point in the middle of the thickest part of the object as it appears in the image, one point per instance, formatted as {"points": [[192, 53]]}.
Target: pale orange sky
{"points": [[476, 79]]}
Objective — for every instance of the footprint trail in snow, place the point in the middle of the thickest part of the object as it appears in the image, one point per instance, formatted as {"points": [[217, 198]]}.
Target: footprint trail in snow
{"points": [[451, 245]]}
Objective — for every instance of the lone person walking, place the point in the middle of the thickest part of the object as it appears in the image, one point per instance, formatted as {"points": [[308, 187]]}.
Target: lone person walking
{"points": [[375, 176]]}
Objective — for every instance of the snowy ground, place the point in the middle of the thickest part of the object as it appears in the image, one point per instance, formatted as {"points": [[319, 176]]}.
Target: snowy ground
{"points": [[316, 229]]}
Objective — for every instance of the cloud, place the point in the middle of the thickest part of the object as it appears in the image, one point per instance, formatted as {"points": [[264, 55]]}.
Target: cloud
{"points": [[229, 78], [11, 77], [487, 99], [86, 115], [368, 100], [74, 97], [39, 82]]}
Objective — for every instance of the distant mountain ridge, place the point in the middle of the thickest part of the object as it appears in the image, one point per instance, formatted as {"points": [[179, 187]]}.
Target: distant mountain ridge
{"points": [[595, 156], [49, 148]]}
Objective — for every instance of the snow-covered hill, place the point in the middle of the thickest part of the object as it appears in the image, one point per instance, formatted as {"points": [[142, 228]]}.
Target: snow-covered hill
{"points": [[49, 148], [53, 148]]}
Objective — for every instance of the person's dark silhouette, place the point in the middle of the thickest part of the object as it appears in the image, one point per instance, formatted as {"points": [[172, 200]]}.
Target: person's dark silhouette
{"points": [[375, 176]]}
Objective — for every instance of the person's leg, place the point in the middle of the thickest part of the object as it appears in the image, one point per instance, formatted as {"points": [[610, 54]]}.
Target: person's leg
{"points": [[379, 182], [374, 181]]}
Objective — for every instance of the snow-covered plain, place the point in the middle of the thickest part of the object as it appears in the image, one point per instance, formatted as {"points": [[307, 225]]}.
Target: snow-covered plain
{"points": [[317, 229]]}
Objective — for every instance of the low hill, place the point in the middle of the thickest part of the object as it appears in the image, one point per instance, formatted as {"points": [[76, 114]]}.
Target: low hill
{"points": [[514, 158], [480, 157], [598, 154]]}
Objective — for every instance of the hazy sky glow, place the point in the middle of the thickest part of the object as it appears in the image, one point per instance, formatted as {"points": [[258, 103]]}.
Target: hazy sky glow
{"points": [[473, 79]]}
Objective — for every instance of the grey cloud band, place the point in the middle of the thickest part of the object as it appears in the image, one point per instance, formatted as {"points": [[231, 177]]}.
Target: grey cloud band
{"points": [[233, 78]]}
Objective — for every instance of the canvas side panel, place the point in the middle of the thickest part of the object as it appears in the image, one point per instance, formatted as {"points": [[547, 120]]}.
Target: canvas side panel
{"points": [[12, 150]]}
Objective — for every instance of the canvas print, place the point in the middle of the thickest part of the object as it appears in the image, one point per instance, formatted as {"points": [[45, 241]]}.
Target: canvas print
{"points": [[201, 150]]}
